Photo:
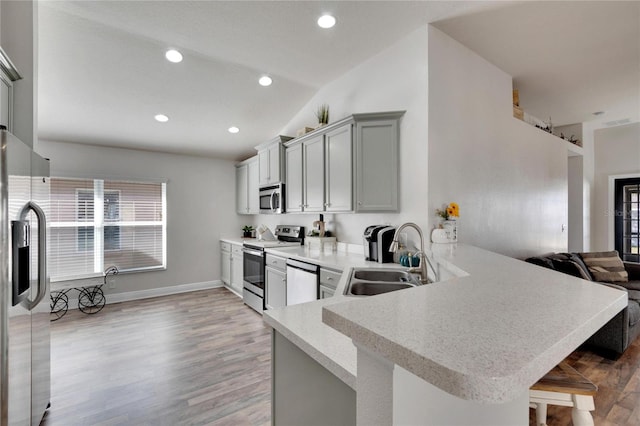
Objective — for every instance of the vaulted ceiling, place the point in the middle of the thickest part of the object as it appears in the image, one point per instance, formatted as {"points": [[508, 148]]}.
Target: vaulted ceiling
{"points": [[103, 75]]}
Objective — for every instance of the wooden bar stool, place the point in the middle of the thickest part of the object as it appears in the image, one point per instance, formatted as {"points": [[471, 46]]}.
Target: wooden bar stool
{"points": [[564, 386]]}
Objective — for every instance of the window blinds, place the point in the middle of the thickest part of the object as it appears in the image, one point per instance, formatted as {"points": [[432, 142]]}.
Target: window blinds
{"points": [[97, 223]]}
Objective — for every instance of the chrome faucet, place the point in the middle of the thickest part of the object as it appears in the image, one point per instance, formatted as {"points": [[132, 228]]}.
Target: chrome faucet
{"points": [[424, 261]]}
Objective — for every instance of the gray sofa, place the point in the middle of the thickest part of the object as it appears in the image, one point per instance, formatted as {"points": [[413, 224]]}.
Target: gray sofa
{"points": [[615, 336]]}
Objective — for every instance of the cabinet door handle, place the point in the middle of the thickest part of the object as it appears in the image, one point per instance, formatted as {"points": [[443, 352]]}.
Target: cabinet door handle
{"points": [[359, 203], [329, 278]]}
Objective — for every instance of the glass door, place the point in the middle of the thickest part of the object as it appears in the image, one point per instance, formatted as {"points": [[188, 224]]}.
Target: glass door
{"points": [[627, 220]]}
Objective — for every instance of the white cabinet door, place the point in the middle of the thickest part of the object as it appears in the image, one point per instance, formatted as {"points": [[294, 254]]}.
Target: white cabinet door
{"points": [[253, 202], [338, 170], [276, 288], [293, 188], [274, 163], [225, 267], [242, 206], [263, 161], [326, 292], [377, 166], [236, 268], [313, 172]]}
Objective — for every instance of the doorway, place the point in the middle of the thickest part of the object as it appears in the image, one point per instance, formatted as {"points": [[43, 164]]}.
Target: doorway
{"points": [[627, 218]]}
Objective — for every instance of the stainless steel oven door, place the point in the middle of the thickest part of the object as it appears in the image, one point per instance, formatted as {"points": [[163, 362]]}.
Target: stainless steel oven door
{"points": [[253, 271]]}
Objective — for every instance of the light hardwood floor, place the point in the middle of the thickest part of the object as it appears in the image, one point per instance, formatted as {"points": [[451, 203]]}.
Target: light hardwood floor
{"points": [[196, 358], [204, 358]]}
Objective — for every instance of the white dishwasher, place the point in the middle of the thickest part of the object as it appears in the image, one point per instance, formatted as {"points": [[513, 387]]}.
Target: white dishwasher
{"points": [[302, 282]]}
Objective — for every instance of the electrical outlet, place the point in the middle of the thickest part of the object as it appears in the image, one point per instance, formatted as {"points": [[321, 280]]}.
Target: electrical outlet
{"points": [[111, 282], [402, 238]]}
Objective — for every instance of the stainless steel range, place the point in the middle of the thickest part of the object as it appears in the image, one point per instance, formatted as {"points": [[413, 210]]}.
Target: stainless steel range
{"points": [[253, 262]]}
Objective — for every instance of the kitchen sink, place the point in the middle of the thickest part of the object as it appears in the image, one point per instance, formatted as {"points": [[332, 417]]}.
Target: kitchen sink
{"points": [[372, 281], [382, 275]]}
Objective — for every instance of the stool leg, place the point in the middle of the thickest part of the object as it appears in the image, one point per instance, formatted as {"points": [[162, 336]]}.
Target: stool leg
{"points": [[580, 414], [541, 414]]}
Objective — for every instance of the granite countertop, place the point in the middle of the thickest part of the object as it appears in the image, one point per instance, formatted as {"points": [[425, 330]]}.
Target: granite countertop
{"points": [[486, 335]]}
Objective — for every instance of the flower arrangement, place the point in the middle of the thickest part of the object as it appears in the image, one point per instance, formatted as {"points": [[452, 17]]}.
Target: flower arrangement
{"points": [[448, 212]]}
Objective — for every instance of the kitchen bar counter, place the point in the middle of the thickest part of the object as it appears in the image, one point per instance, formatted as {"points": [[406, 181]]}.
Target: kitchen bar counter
{"points": [[302, 324], [487, 336]]}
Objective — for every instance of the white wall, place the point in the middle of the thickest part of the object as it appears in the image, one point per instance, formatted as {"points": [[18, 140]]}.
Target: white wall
{"points": [[200, 205], [395, 79], [18, 35], [575, 231], [616, 152], [509, 178]]}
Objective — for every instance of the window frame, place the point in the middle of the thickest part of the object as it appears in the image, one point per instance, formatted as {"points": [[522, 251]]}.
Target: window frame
{"points": [[98, 223]]}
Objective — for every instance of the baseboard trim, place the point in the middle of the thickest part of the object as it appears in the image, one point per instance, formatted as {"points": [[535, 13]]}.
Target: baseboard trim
{"points": [[153, 292]]}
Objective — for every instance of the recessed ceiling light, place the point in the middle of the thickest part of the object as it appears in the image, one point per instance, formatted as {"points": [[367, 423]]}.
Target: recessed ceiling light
{"points": [[598, 113], [173, 55], [161, 118], [326, 21], [233, 129], [265, 80]]}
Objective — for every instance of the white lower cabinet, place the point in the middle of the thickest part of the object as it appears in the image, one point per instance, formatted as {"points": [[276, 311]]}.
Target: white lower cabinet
{"points": [[275, 280], [276, 284], [231, 266], [328, 282], [236, 268], [326, 292], [225, 263]]}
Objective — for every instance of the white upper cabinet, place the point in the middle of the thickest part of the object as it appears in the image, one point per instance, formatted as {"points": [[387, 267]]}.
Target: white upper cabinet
{"points": [[293, 188], [313, 174], [270, 160], [376, 165], [247, 197], [338, 169], [350, 165]]}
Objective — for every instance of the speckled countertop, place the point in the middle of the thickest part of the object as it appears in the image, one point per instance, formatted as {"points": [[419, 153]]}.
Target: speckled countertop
{"points": [[302, 324], [486, 336]]}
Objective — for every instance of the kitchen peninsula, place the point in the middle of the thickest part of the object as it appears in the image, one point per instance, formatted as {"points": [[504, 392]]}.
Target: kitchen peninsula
{"points": [[457, 351]]}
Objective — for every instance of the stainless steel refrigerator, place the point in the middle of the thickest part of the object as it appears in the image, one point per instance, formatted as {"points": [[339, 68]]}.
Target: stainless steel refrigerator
{"points": [[25, 380]]}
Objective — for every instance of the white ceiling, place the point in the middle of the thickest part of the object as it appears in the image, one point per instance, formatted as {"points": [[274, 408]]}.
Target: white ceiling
{"points": [[568, 59], [103, 76]]}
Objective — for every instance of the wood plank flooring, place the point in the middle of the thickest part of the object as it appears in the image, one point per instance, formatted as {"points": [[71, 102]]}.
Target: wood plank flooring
{"points": [[618, 398], [196, 358], [203, 358]]}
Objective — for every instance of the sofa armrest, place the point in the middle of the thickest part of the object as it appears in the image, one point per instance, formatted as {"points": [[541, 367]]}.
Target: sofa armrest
{"points": [[617, 287], [633, 269]]}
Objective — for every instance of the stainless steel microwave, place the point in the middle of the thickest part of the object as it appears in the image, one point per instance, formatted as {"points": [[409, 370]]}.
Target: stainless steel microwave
{"points": [[272, 199]]}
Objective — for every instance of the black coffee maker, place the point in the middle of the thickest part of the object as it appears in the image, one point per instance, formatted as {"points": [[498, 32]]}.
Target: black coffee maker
{"points": [[377, 240]]}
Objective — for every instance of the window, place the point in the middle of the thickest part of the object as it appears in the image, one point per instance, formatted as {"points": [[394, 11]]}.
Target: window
{"points": [[98, 223], [627, 220]]}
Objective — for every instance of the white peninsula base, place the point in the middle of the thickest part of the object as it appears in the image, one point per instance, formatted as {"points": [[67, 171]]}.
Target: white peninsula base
{"points": [[390, 395]]}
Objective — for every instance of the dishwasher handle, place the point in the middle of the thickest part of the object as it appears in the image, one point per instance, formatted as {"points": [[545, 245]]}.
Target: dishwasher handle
{"points": [[308, 267]]}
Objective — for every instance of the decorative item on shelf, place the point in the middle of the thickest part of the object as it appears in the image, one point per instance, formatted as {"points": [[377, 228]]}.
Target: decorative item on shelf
{"points": [[571, 139], [248, 231], [447, 229], [304, 131], [323, 115]]}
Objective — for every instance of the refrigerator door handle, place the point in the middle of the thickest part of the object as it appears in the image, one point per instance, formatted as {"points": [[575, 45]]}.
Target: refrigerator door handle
{"points": [[42, 252]]}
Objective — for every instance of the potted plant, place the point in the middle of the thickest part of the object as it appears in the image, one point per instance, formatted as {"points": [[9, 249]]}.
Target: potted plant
{"points": [[247, 231], [323, 115]]}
